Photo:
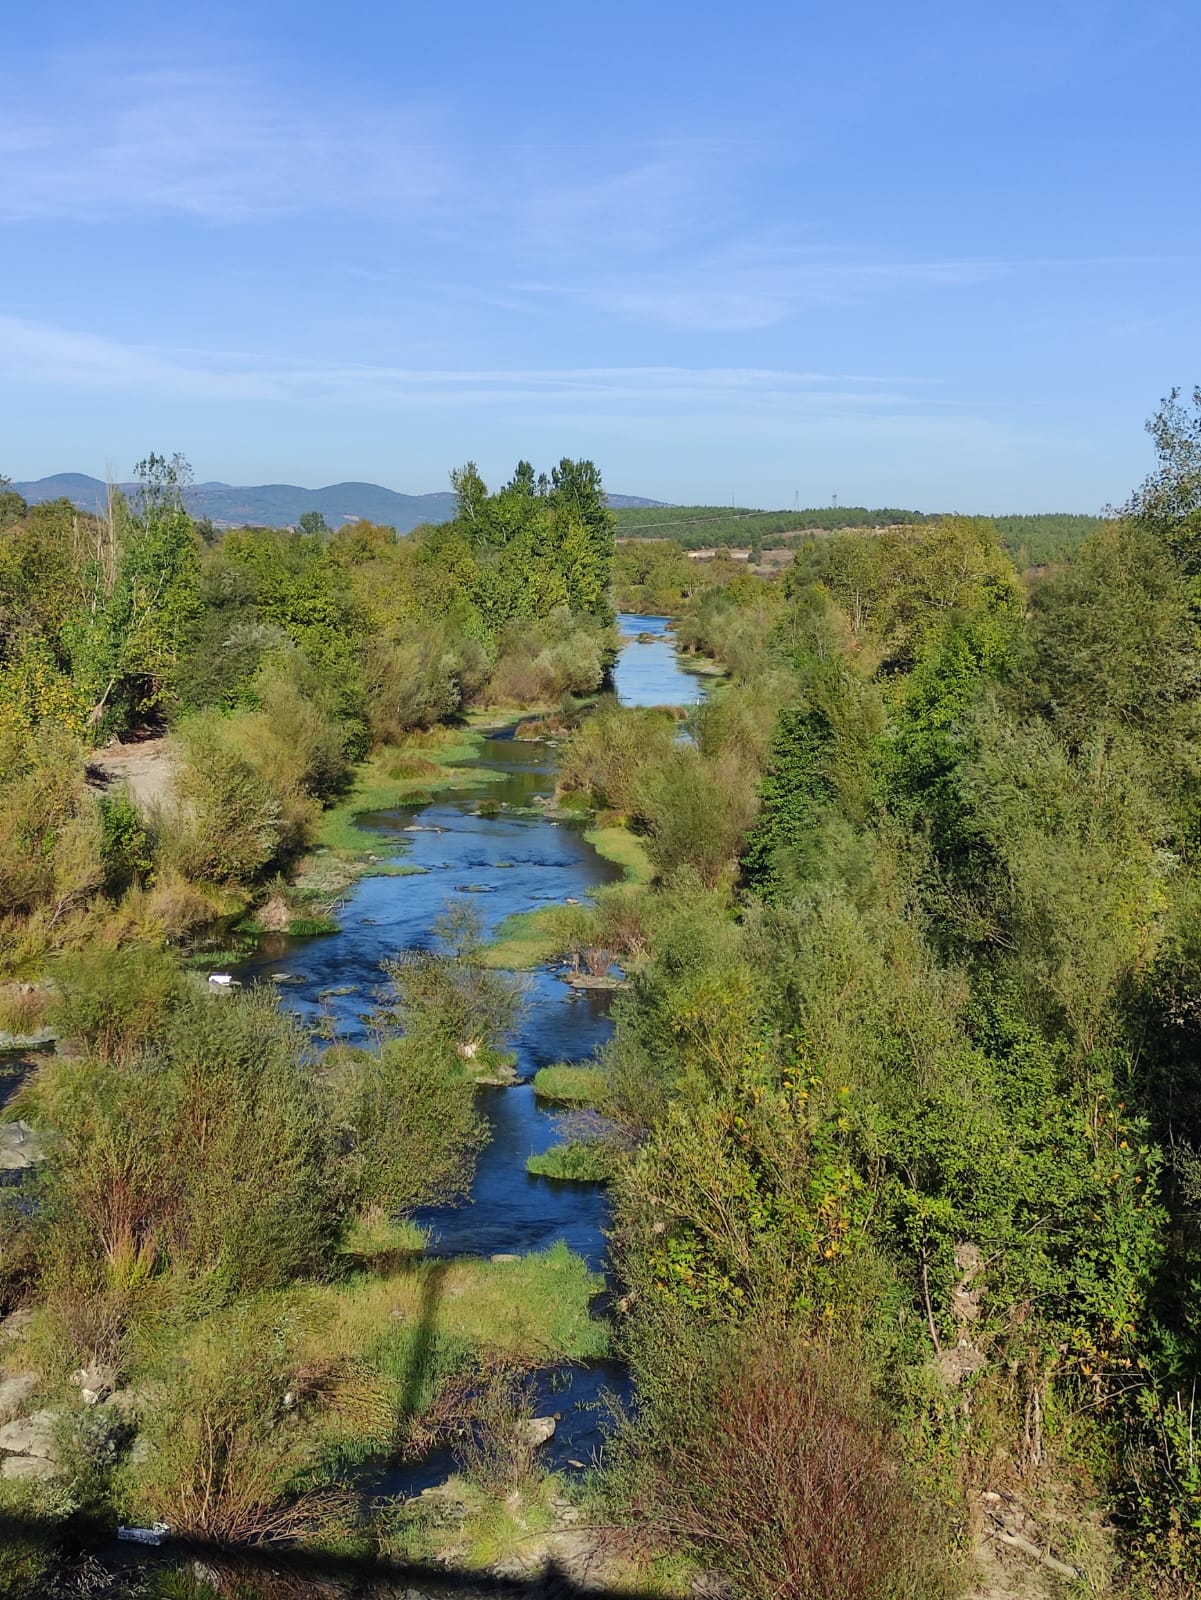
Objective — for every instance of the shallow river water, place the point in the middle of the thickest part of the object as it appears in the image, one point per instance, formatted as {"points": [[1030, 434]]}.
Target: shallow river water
{"points": [[505, 860]]}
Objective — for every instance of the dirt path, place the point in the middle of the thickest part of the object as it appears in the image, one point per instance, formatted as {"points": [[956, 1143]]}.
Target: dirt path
{"points": [[145, 769]]}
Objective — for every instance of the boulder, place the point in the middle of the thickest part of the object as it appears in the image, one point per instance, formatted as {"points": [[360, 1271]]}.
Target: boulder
{"points": [[30, 1436], [534, 1431], [15, 1394], [16, 1325], [30, 1468]]}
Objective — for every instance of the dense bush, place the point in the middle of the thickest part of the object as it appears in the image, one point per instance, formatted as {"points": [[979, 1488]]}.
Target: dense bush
{"points": [[766, 1460]]}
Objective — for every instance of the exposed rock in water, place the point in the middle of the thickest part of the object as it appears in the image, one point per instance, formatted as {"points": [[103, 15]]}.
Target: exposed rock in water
{"points": [[36, 1040], [534, 1431]]}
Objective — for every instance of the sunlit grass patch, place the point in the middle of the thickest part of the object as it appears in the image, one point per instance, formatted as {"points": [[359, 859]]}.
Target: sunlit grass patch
{"points": [[535, 1308], [576, 1161], [524, 940], [570, 1084], [399, 775], [617, 843]]}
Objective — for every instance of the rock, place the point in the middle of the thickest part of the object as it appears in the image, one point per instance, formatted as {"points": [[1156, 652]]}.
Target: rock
{"points": [[536, 1431], [30, 1436], [503, 1255], [20, 1147], [131, 1405], [15, 1392], [30, 1468], [95, 1383], [17, 1324]]}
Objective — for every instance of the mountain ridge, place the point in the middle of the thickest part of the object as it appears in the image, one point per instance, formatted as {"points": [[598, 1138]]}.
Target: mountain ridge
{"points": [[280, 505]]}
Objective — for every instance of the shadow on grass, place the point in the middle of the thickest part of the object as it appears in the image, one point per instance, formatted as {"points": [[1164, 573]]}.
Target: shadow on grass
{"points": [[272, 1573]]}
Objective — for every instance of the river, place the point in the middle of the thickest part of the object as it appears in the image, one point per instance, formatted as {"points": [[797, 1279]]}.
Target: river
{"points": [[491, 845]]}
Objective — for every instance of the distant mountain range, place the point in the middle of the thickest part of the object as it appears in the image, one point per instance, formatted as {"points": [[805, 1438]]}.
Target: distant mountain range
{"points": [[280, 505]]}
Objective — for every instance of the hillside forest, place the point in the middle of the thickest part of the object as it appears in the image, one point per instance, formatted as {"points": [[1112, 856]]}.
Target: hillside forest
{"points": [[900, 1116]]}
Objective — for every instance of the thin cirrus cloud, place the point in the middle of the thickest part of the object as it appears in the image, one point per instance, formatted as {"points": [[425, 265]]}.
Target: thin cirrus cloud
{"points": [[41, 354], [212, 144]]}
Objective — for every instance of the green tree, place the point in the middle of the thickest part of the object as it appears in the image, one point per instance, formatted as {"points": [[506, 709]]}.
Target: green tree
{"points": [[1169, 502], [313, 524], [131, 648]]}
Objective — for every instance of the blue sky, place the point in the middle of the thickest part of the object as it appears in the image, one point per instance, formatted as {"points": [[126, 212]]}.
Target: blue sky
{"points": [[929, 255]]}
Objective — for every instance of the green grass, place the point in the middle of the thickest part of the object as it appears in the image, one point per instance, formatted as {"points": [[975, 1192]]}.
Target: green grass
{"points": [[401, 775], [308, 927], [531, 938], [569, 1085], [577, 1161], [535, 1308], [618, 844], [524, 940]]}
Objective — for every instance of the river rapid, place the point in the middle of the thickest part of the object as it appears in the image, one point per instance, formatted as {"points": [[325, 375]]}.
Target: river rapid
{"points": [[491, 846]]}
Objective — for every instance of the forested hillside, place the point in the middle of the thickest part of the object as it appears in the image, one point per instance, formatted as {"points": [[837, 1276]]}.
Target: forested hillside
{"points": [[1032, 540]]}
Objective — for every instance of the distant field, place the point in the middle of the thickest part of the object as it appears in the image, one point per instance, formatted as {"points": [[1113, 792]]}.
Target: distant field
{"points": [[1034, 539]]}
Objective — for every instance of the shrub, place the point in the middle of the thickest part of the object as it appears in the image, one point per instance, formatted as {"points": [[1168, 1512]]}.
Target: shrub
{"points": [[416, 678], [197, 1165], [765, 1459], [50, 827], [125, 845], [411, 1128], [114, 1002], [697, 812], [233, 818], [228, 1442], [611, 753]]}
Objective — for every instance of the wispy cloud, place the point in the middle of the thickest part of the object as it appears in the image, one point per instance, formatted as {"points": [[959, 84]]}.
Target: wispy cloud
{"points": [[212, 143], [37, 353]]}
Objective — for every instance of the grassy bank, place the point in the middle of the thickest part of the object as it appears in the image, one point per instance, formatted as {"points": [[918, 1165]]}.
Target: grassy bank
{"points": [[619, 844], [569, 1085], [532, 938], [576, 1161]]}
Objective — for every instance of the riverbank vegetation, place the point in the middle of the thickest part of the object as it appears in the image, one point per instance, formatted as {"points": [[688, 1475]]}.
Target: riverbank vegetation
{"points": [[910, 1226], [249, 675], [899, 1117]]}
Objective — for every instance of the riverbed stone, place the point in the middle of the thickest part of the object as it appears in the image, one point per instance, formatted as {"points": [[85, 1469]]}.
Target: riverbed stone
{"points": [[15, 1393], [16, 1325], [95, 1382], [535, 1431]]}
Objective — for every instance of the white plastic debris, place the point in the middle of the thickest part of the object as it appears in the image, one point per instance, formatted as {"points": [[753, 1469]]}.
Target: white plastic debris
{"points": [[222, 978]]}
